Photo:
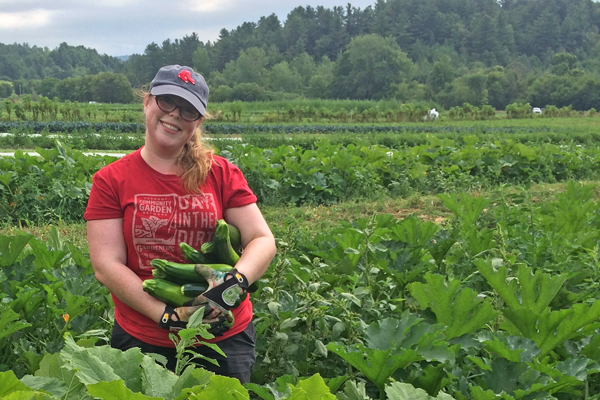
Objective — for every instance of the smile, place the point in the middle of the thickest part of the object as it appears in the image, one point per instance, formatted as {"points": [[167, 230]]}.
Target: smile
{"points": [[169, 126]]}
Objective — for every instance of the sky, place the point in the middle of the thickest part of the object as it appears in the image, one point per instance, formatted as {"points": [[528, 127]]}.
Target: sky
{"points": [[125, 27]]}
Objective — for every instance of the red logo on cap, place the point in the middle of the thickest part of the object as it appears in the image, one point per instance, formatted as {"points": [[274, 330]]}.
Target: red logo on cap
{"points": [[186, 76]]}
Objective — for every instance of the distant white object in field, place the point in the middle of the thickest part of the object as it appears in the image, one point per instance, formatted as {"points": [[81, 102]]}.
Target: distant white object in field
{"points": [[432, 115], [536, 110]]}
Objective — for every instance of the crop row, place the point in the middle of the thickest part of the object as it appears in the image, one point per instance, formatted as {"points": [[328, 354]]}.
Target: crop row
{"points": [[238, 129], [56, 186], [501, 301]]}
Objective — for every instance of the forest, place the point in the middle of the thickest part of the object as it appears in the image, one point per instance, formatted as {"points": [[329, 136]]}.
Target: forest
{"points": [[443, 52]]}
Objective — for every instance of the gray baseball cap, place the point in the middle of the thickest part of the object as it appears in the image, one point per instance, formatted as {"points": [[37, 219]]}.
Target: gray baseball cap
{"points": [[182, 81]]}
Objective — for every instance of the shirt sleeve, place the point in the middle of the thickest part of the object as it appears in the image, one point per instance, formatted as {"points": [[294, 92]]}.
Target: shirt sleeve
{"points": [[235, 189], [103, 202]]}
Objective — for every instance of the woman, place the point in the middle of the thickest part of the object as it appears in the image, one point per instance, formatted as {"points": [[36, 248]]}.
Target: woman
{"points": [[173, 190]]}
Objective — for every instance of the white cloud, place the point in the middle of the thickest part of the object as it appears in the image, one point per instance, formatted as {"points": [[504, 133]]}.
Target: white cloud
{"points": [[208, 6], [30, 19]]}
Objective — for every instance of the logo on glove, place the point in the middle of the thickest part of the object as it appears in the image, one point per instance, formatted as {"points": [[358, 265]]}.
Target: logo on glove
{"points": [[231, 295]]}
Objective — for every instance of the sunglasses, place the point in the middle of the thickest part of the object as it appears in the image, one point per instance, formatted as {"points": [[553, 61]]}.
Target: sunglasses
{"points": [[167, 104]]}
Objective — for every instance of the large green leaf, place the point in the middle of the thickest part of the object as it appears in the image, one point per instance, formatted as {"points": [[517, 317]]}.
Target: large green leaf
{"points": [[156, 380], [26, 395], [189, 378], [54, 386], [220, 387], [461, 310], [45, 257], [405, 391], [531, 292], [409, 332], [527, 299], [513, 348], [353, 391], [9, 321], [394, 344], [377, 365], [116, 390], [313, 388], [478, 393], [125, 364], [11, 247], [52, 366], [10, 383]]}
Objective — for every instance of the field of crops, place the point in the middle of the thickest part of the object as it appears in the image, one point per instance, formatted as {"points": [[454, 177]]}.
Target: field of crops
{"points": [[454, 262]]}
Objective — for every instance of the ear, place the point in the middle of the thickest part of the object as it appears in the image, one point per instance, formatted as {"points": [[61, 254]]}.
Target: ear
{"points": [[199, 122], [147, 98]]}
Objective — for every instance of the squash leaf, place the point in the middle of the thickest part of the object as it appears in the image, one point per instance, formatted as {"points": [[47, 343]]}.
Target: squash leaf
{"points": [[460, 310]]}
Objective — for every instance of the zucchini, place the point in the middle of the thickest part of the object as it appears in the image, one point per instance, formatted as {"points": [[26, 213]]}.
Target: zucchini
{"points": [[235, 238], [160, 274], [225, 252], [200, 268], [166, 291], [208, 249], [192, 255], [179, 272], [193, 289]]}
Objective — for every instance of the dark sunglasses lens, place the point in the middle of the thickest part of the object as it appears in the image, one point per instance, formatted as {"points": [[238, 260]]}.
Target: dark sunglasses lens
{"points": [[189, 114], [165, 104]]}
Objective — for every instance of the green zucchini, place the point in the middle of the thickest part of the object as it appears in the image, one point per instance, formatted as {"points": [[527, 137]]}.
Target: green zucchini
{"points": [[193, 289], [235, 238], [166, 291], [208, 249], [193, 255], [214, 267], [222, 242], [180, 272], [160, 274]]}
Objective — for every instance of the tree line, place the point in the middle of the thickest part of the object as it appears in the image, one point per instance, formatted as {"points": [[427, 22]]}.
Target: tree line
{"points": [[446, 52]]}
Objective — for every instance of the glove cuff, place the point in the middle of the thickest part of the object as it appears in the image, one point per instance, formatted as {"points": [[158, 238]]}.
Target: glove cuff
{"points": [[170, 320], [241, 279]]}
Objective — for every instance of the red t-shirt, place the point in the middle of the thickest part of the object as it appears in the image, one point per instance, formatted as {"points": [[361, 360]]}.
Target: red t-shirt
{"points": [[157, 215]]}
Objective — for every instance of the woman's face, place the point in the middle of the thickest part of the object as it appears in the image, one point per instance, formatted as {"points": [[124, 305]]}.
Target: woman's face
{"points": [[167, 132]]}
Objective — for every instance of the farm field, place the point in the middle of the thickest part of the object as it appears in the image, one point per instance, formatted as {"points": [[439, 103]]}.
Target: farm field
{"points": [[415, 265]]}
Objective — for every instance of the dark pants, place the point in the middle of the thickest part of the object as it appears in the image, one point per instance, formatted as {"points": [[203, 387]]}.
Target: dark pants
{"points": [[239, 349]]}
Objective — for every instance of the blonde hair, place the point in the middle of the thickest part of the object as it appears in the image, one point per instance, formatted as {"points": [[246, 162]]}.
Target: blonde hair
{"points": [[195, 159]]}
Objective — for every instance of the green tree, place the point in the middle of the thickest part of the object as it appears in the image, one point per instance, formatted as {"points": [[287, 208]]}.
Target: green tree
{"points": [[6, 89], [304, 65], [441, 75], [220, 94], [497, 86], [112, 88], [320, 82], [248, 92], [469, 89], [283, 79], [369, 67], [251, 66], [201, 61], [563, 63], [48, 87]]}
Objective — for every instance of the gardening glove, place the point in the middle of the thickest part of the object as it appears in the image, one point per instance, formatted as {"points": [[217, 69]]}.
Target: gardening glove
{"points": [[223, 294], [176, 318]]}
